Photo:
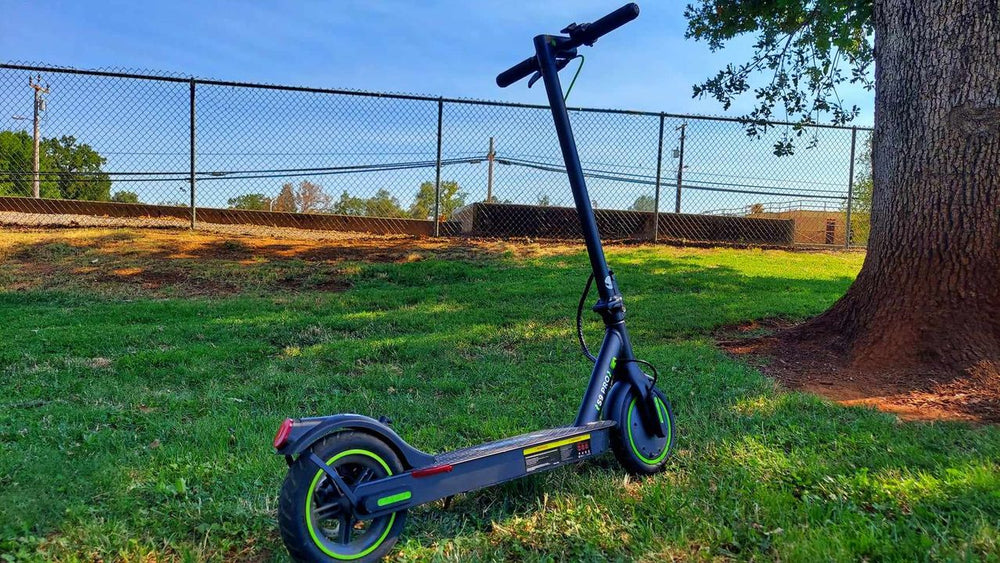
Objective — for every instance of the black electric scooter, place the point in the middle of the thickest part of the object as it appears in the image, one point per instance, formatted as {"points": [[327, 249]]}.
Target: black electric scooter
{"points": [[351, 478]]}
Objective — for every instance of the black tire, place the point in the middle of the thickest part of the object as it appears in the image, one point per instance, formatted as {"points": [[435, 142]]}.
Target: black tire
{"points": [[312, 524], [641, 453]]}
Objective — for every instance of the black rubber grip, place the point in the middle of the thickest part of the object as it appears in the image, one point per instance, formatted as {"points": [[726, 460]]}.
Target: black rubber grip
{"points": [[517, 72], [610, 22]]}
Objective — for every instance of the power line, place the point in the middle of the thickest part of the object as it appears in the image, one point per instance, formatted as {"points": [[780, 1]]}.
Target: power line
{"points": [[257, 174]]}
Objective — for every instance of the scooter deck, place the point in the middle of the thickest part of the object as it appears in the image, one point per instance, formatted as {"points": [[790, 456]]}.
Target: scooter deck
{"points": [[528, 440], [484, 465]]}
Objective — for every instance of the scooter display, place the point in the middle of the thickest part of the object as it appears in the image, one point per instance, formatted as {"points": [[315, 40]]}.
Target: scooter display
{"points": [[351, 478]]}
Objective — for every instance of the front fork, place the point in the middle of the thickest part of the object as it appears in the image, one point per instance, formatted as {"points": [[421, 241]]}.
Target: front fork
{"points": [[616, 362]]}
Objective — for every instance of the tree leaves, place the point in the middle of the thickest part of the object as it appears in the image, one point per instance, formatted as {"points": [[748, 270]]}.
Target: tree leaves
{"points": [[805, 46]]}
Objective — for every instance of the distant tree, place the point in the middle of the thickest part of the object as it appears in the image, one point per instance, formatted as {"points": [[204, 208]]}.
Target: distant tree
{"points": [[68, 170], [307, 197], [285, 200], [543, 200], [348, 205], [123, 196], [78, 169], [756, 209], [251, 202], [15, 163], [451, 199], [383, 205], [310, 198], [16, 155], [644, 203]]}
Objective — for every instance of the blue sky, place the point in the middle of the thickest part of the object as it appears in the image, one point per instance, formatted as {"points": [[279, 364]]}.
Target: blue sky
{"points": [[438, 48], [445, 47]]}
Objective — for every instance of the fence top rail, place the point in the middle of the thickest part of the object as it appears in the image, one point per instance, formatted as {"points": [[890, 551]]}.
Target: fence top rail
{"points": [[388, 95]]}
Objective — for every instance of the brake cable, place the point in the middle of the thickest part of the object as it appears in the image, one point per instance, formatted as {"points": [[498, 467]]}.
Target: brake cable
{"points": [[579, 320], [572, 82], [583, 340]]}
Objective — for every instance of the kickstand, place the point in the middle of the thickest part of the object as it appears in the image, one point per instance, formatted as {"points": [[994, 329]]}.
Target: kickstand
{"points": [[447, 501]]}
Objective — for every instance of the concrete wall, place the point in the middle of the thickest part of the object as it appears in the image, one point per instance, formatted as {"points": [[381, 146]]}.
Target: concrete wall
{"points": [[227, 216], [511, 220]]}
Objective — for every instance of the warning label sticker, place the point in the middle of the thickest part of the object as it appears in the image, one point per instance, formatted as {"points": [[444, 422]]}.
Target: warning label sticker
{"points": [[555, 453]]}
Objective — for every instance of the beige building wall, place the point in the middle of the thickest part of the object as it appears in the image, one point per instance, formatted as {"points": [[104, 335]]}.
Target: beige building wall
{"points": [[814, 227]]}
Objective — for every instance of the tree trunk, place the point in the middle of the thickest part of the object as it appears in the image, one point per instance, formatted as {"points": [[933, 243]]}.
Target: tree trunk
{"points": [[928, 294]]}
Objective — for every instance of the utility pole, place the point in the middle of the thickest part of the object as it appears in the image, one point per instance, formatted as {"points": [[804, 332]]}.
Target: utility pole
{"points": [[680, 169], [659, 169], [36, 85], [489, 174], [850, 190]]}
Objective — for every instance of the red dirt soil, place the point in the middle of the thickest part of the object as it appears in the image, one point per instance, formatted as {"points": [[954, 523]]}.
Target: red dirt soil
{"points": [[972, 396]]}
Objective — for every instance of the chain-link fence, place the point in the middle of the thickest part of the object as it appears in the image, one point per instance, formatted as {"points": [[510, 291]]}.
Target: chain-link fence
{"points": [[96, 147]]}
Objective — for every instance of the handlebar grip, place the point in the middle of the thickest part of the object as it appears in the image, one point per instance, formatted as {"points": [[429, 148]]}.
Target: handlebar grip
{"points": [[517, 72], [610, 22]]}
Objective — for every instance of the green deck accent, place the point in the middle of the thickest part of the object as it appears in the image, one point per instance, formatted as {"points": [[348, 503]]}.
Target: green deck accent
{"points": [[393, 499]]}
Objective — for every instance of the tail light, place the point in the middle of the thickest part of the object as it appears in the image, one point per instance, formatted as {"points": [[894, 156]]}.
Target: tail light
{"points": [[281, 438], [428, 471]]}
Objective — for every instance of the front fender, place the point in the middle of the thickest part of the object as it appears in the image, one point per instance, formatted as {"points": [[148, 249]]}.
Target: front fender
{"points": [[619, 393], [307, 431]]}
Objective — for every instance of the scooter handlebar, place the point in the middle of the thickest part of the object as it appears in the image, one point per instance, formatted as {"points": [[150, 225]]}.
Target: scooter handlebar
{"points": [[584, 34], [608, 23], [517, 72]]}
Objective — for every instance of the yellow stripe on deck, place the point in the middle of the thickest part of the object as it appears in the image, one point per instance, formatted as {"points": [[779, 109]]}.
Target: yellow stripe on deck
{"points": [[553, 445]]}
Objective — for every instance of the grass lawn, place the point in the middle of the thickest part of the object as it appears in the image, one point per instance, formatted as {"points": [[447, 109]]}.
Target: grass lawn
{"points": [[143, 381]]}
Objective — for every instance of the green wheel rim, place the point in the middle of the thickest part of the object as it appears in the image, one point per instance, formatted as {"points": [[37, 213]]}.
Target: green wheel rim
{"points": [[661, 411], [312, 487]]}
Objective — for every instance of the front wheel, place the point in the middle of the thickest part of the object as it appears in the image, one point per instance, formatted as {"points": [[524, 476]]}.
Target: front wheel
{"points": [[639, 451], [316, 521]]}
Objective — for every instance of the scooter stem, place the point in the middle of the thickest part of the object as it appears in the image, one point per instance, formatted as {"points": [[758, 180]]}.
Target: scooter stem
{"points": [[546, 49]]}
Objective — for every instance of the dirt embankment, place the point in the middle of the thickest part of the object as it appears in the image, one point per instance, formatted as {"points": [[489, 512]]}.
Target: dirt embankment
{"points": [[973, 395]]}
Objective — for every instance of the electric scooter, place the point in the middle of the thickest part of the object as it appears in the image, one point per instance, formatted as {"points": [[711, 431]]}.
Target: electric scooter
{"points": [[351, 478]]}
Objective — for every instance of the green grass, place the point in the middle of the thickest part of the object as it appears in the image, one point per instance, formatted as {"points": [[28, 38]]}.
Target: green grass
{"points": [[137, 426]]}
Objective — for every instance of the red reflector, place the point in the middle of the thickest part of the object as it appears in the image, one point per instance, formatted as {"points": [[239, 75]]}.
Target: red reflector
{"points": [[282, 436], [428, 471]]}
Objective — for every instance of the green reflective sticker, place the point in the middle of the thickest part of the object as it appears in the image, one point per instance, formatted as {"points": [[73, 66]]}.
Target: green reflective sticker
{"points": [[393, 499]]}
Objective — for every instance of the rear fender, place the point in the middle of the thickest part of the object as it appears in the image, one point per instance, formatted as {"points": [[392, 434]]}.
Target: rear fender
{"points": [[307, 431]]}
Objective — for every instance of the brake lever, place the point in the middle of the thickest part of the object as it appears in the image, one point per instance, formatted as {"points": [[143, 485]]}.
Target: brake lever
{"points": [[565, 59]]}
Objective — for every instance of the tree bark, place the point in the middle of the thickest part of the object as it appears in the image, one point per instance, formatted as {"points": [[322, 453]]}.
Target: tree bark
{"points": [[928, 294]]}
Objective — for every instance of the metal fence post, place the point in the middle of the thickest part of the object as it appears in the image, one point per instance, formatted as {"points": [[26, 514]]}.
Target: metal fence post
{"points": [[191, 179], [680, 170], [850, 189], [659, 166], [437, 172]]}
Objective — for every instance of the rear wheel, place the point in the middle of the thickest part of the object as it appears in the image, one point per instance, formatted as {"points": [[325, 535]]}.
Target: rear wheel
{"points": [[316, 521], [639, 451]]}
